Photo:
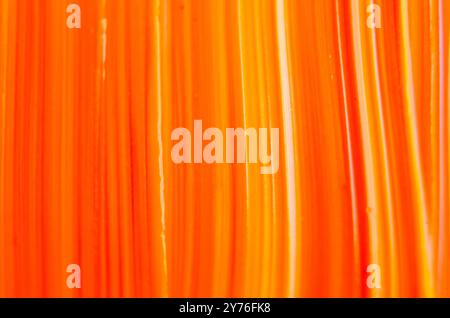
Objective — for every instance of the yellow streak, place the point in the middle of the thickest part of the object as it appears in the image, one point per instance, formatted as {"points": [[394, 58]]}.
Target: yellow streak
{"points": [[424, 241]]}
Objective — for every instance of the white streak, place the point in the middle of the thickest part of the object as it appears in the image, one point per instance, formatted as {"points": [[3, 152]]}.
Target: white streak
{"points": [[289, 143], [160, 141], [355, 221], [244, 102]]}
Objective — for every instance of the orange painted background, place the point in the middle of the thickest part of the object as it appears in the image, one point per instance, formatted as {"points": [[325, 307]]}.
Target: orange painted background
{"points": [[86, 175]]}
